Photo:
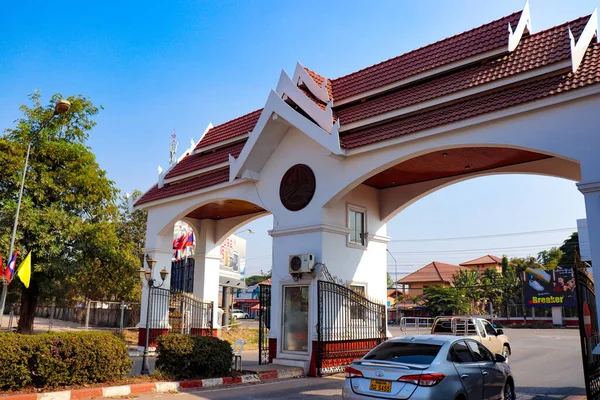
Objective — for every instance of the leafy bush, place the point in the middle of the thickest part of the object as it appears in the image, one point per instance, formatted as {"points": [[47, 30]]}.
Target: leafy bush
{"points": [[51, 360], [187, 357]]}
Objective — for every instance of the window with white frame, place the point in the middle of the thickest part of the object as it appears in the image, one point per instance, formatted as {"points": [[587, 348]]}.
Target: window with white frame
{"points": [[356, 310], [356, 223]]}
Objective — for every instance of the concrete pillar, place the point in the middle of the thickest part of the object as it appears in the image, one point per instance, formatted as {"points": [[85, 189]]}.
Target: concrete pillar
{"points": [[557, 316], [591, 193], [207, 259], [159, 248]]}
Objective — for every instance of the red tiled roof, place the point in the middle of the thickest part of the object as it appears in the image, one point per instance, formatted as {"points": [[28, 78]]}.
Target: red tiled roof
{"points": [[308, 94], [535, 51], [198, 161], [230, 129], [491, 36], [487, 259], [319, 81], [433, 272], [185, 186], [587, 74]]}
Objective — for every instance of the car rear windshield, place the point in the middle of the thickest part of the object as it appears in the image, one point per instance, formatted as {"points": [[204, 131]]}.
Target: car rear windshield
{"points": [[402, 352]]}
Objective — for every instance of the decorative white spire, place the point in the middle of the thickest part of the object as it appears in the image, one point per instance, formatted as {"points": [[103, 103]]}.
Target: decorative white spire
{"points": [[578, 49], [514, 37]]}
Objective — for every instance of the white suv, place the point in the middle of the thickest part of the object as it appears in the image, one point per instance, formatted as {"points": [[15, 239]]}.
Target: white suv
{"points": [[239, 314]]}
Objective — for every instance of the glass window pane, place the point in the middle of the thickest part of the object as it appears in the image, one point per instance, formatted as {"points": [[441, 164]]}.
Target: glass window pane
{"points": [[295, 318], [401, 352], [360, 227], [480, 353], [460, 353], [352, 218]]}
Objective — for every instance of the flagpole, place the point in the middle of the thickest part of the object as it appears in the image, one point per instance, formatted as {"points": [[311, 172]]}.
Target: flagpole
{"points": [[60, 107]]}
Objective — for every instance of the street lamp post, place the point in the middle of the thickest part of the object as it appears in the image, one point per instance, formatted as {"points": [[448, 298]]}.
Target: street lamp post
{"points": [[396, 280], [147, 275], [61, 107]]}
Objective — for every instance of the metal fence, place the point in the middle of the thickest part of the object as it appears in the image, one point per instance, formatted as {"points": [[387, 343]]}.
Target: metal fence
{"points": [[178, 312], [92, 313], [264, 324], [588, 329], [349, 326]]}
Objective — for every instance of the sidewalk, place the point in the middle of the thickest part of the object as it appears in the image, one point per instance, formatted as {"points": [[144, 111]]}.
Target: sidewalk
{"points": [[249, 363]]}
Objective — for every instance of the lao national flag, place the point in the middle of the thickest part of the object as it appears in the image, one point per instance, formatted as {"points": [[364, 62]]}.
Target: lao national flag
{"points": [[190, 240], [10, 268]]}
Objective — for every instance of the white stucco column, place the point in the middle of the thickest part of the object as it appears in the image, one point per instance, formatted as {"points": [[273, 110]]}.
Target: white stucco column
{"points": [[159, 248], [207, 258], [591, 192]]}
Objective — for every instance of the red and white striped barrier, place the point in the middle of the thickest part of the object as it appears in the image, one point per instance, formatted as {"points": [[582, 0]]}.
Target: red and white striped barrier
{"points": [[159, 387]]}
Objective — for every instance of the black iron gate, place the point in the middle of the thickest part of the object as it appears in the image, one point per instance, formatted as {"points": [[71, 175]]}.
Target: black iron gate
{"points": [[264, 323], [178, 312], [349, 326], [588, 328]]}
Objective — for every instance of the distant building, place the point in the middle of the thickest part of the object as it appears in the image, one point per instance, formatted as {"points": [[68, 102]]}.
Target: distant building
{"points": [[434, 273], [483, 263]]}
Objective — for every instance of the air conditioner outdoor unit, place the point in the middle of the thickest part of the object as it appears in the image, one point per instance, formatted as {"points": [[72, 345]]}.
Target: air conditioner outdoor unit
{"points": [[302, 263]]}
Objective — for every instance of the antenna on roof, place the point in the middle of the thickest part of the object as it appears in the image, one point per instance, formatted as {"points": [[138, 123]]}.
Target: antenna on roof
{"points": [[173, 149]]}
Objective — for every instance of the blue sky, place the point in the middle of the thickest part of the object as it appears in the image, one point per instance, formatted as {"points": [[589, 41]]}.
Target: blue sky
{"points": [[157, 66]]}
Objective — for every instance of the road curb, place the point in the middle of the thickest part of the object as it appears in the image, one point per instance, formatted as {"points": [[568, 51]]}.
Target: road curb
{"points": [[160, 387]]}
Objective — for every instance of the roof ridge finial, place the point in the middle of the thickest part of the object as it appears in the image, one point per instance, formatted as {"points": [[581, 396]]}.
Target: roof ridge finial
{"points": [[514, 37], [578, 49]]}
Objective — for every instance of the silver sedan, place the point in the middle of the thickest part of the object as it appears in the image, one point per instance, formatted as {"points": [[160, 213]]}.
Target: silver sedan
{"points": [[426, 367]]}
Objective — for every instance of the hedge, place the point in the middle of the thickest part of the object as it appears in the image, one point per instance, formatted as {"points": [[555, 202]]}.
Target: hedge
{"points": [[52, 360], [187, 357]]}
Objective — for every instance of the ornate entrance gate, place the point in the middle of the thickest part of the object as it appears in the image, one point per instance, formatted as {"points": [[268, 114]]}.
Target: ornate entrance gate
{"points": [[349, 326], [264, 323], [178, 312], [588, 328]]}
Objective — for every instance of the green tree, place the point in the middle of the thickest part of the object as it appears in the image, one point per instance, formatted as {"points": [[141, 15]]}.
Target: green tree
{"points": [[570, 249], [510, 285], [390, 281], [549, 259], [467, 280], [254, 279], [444, 300], [69, 205], [491, 286]]}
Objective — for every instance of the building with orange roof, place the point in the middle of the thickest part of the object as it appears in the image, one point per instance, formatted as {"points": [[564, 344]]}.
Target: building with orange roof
{"points": [[483, 263]]}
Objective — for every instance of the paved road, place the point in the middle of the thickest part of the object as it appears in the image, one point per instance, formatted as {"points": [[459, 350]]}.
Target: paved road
{"points": [[544, 362], [294, 389]]}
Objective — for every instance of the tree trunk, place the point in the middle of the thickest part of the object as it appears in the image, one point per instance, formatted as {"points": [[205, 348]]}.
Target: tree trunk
{"points": [[29, 299]]}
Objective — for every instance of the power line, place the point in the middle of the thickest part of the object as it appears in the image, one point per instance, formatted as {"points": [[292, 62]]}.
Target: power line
{"points": [[474, 250], [483, 236]]}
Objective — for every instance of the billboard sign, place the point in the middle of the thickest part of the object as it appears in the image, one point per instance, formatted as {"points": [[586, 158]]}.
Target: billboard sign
{"points": [[233, 258], [550, 288]]}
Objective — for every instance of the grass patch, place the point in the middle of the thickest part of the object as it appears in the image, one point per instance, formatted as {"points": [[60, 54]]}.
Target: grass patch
{"points": [[250, 335]]}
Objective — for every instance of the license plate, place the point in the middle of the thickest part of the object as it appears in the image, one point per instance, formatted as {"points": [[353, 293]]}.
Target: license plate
{"points": [[380, 386]]}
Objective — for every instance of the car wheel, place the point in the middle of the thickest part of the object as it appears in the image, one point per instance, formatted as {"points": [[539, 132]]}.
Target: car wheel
{"points": [[506, 353], [509, 391]]}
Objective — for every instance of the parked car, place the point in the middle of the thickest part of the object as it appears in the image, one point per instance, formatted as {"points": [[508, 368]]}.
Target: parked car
{"points": [[239, 314], [478, 329], [425, 367]]}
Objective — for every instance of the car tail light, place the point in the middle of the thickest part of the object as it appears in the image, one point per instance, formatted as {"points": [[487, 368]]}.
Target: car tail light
{"points": [[423, 380], [352, 373]]}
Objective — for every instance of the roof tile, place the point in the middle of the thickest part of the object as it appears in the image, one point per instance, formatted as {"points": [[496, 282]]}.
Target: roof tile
{"points": [[487, 37], [432, 272], [199, 161], [185, 186], [230, 129], [535, 51], [588, 74], [487, 259]]}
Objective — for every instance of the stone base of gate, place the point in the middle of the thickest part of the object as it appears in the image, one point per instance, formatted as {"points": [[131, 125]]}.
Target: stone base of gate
{"points": [[154, 334], [337, 355]]}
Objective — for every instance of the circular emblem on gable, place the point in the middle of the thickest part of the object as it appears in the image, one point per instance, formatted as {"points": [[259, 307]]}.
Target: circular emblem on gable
{"points": [[297, 187]]}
